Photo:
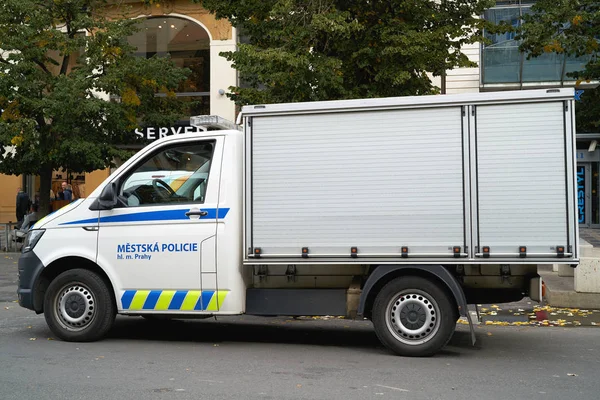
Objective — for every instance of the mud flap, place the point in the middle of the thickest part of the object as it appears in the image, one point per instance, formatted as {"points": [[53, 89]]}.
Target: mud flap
{"points": [[535, 289]]}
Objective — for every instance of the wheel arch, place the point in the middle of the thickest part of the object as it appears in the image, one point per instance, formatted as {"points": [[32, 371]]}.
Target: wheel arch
{"points": [[57, 267], [382, 274]]}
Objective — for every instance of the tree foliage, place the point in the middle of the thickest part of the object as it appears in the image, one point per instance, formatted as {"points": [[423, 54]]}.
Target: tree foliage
{"points": [[570, 27], [304, 50], [57, 57]]}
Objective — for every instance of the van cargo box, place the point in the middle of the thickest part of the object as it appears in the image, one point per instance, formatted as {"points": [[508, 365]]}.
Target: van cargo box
{"points": [[454, 179]]}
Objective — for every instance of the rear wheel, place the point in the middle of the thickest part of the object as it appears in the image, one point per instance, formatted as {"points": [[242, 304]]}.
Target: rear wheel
{"points": [[413, 316], [78, 306]]}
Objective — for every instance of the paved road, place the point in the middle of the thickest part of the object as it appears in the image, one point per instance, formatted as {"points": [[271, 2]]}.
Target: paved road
{"points": [[254, 358]]}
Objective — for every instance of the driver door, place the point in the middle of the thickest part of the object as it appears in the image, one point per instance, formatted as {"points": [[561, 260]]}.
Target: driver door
{"points": [[163, 227]]}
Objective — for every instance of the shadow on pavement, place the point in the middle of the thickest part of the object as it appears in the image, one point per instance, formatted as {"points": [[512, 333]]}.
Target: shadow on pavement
{"points": [[338, 333], [253, 330]]}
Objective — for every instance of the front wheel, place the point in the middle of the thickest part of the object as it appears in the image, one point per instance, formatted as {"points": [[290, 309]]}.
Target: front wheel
{"points": [[78, 306], [413, 316]]}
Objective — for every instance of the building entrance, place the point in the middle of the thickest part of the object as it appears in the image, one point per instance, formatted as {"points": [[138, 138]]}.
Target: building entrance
{"points": [[588, 184]]}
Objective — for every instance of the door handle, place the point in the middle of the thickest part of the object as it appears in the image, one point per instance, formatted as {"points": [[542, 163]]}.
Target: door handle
{"points": [[199, 212]]}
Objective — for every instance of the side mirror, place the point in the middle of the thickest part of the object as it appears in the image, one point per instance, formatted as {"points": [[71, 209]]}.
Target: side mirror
{"points": [[108, 197]]}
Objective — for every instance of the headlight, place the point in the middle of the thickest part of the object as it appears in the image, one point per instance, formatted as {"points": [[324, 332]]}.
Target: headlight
{"points": [[33, 236]]}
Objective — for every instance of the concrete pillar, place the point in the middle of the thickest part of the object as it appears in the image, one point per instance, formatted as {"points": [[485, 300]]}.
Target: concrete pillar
{"points": [[222, 76], [585, 249], [565, 270], [587, 275]]}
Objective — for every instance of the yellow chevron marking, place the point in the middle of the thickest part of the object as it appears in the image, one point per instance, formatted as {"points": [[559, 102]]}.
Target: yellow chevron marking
{"points": [[217, 301], [164, 300], [139, 299], [191, 298], [222, 294]]}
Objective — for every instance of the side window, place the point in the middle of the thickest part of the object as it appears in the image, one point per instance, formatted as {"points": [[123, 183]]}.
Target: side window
{"points": [[177, 174]]}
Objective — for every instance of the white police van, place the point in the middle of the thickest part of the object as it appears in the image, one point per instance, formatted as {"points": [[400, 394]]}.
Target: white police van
{"points": [[401, 210]]}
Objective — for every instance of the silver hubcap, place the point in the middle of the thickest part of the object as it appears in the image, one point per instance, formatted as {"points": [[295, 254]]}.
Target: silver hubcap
{"points": [[76, 307], [412, 317]]}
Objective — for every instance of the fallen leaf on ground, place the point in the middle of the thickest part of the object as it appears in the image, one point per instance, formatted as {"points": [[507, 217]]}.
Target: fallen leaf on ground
{"points": [[489, 333], [31, 338]]}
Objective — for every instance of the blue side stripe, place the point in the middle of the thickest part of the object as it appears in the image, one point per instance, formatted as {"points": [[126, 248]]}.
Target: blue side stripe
{"points": [[127, 298], [151, 300], [177, 300], [198, 306], [167, 215], [82, 221], [222, 213]]}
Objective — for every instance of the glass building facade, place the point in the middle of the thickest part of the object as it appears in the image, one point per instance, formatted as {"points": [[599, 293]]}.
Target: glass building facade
{"points": [[503, 63]]}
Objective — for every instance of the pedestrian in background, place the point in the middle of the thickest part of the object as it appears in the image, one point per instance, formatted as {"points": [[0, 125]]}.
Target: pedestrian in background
{"points": [[23, 204], [66, 193]]}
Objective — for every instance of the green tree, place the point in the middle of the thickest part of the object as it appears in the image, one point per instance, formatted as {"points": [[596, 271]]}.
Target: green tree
{"points": [[570, 27], [299, 50], [56, 58]]}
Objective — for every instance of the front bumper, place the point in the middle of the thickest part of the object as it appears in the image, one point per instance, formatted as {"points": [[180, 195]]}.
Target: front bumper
{"points": [[30, 268]]}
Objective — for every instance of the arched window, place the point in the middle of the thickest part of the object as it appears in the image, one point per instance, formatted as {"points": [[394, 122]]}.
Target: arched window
{"points": [[188, 44]]}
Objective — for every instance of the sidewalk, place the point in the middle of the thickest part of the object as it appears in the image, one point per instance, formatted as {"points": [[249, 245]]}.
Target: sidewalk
{"points": [[560, 289], [592, 236]]}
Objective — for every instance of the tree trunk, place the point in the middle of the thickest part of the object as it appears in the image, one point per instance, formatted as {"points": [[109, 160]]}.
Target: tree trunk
{"points": [[45, 187]]}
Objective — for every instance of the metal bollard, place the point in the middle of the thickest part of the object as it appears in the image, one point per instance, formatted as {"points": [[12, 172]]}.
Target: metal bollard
{"points": [[6, 229]]}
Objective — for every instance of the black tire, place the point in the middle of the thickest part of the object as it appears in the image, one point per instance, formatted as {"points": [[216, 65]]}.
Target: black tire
{"points": [[79, 306], [413, 316]]}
